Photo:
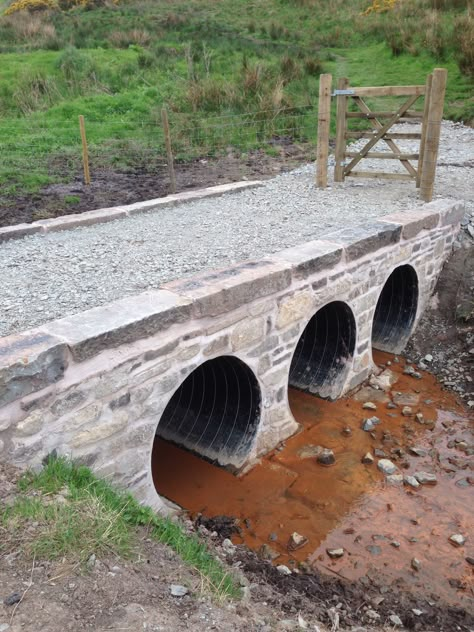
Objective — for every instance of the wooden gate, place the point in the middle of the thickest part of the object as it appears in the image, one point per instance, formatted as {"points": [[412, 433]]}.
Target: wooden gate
{"points": [[381, 122]]}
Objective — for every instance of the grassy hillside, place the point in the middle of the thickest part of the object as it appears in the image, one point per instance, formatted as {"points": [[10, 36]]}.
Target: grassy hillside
{"points": [[211, 64]]}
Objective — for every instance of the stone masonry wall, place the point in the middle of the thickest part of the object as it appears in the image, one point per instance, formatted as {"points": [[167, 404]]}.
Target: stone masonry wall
{"points": [[94, 386]]}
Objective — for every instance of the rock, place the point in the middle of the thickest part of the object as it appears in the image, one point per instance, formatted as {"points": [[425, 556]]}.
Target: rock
{"points": [[428, 358], [391, 405], [407, 411], [409, 370], [12, 599], [415, 564], [335, 553], [395, 620], [394, 479], [457, 539], [369, 424], [470, 560], [371, 614], [384, 381], [369, 406], [326, 457], [368, 459], [395, 544], [386, 466], [91, 560], [296, 541], [228, 547], [417, 612], [417, 451], [380, 454], [373, 549], [283, 570], [411, 481], [347, 432], [266, 552], [4, 627], [419, 418], [425, 478], [178, 591]]}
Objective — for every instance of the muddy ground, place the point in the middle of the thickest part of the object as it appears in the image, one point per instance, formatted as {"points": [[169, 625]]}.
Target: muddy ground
{"points": [[114, 187]]}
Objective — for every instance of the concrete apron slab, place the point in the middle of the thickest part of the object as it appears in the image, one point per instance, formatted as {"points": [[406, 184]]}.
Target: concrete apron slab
{"points": [[96, 386], [103, 215]]}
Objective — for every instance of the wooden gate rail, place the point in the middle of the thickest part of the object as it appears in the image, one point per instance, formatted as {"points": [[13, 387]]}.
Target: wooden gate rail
{"points": [[381, 122]]}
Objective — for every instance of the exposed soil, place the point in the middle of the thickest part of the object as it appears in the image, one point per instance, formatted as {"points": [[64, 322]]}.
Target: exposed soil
{"points": [[113, 188]]}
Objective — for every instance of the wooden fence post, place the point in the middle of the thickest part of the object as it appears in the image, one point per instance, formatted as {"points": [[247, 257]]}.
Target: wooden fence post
{"points": [[324, 121], [433, 130], [169, 153], [85, 152], [340, 150], [426, 109]]}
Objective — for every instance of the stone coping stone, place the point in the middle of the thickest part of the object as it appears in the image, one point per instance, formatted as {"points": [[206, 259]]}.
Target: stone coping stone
{"points": [[120, 322], [100, 216], [29, 362], [311, 257], [223, 290], [451, 211], [413, 222], [365, 238]]}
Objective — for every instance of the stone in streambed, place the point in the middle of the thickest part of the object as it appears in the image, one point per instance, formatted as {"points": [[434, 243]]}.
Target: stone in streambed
{"points": [[415, 564], [457, 539], [369, 406], [425, 478], [368, 459], [386, 466], [407, 411], [384, 381], [411, 481], [335, 553], [369, 424], [296, 541], [326, 457], [394, 479]]}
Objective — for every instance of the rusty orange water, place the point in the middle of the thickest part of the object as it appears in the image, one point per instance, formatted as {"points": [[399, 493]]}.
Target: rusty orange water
{"points": [[348, 504]]}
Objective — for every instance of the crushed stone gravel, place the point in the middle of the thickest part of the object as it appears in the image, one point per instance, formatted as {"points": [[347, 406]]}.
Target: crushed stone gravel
{"points": [[45, 277]]}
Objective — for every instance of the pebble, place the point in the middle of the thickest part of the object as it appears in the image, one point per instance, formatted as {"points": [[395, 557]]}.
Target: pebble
{"points": [[394, 479], [428, 358], [425, 478], [395, 620], [369, 424], [369, 406], [407, 411], [283, 570], [296, 541], [411, 481], [347, 432], [368, 459], [457, 539], [4, 627], [178, 591], [386, 466], [326, 457], [12, 599], [419, 418], [373, 549], [335, 553], [395, 544], [415, 564], [417, 451], [228, 546]]}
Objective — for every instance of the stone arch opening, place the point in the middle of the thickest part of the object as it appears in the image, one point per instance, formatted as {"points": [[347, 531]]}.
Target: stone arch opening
{"points": [[324, 352], [396, 309], [214, 414]]}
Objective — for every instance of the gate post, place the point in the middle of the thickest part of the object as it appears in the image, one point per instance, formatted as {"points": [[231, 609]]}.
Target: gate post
{"points": [[340, 150], [324, 121], [433, 130]]}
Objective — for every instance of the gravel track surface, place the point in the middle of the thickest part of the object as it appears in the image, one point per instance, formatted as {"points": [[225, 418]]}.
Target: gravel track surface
{"points": [[47, 277]]}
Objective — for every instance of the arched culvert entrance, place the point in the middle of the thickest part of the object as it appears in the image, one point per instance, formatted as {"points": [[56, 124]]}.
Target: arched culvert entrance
{"points": [[214, 413], [324, 351], [396, 310]]}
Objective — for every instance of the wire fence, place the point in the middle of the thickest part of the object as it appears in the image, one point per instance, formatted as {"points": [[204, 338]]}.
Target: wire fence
{"points": [[34, 153]]}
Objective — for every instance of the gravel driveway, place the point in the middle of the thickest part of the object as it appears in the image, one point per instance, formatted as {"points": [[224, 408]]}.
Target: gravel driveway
{"points": [[46, 277]]}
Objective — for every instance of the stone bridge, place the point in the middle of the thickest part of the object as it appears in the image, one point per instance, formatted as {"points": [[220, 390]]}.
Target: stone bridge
{"points": [[206, 361]]}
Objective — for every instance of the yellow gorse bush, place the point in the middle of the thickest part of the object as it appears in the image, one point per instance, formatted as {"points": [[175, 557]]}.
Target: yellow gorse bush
{"points": [[31, 5], [380, 6], [43, 5]]}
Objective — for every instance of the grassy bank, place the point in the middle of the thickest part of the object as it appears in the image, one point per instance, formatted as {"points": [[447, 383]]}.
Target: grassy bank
{"points": [[230, 74], [74, 515]]}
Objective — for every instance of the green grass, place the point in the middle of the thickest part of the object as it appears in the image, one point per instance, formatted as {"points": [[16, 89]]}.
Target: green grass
{"points": [[118, 66], [94, 518]]}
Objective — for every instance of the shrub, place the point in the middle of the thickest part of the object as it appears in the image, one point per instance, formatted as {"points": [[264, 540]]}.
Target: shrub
{"points": [[124, 39], [76, 66], [289, 68], [31, 6], [35, 91], [313, 66], [464, 37]]}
